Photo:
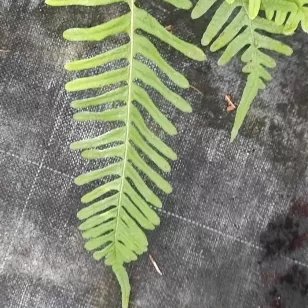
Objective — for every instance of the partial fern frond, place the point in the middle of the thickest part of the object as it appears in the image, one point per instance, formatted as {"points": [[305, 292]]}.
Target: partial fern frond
{"points": [[239, 33], [253, 7], [113, 224], [289, 13]]}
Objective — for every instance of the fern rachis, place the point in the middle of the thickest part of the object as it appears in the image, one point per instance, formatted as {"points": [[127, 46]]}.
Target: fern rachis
{"points": [[112, 225]]}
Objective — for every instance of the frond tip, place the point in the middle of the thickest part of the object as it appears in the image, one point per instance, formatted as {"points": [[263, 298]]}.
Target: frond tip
{"points": [[118, 209], [240, 33], [123, 280]]}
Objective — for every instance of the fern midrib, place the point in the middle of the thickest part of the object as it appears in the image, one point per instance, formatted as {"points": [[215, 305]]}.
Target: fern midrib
{"points": [[252, 31], [128, 121]]}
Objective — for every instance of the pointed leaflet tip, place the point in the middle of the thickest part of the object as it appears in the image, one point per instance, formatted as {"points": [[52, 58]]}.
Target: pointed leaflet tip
{"points": [[51, 2], [78, 181], [74, 146], [195, 14], [123, 280], [233, 134], [187, 108], [205, 40], [69, 86], [68, 67], [199, 55]]}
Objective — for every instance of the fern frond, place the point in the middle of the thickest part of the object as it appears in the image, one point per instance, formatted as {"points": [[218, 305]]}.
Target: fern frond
{"points": [[113, 224], [242, 32], [289, 13]]}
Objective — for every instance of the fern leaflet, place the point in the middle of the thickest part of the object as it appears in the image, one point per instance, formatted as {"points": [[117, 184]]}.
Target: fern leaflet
{"points": [[239, 33], [253, 7], [289, 13], [113, 225]]}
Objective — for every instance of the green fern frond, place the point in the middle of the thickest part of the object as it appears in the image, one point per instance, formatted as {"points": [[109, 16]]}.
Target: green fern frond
{"points": [[239, 33], [113, 225], [289, 13]]}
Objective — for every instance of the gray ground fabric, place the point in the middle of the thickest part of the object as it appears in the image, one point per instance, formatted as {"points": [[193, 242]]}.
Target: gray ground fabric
{"points": [[214, 243]]}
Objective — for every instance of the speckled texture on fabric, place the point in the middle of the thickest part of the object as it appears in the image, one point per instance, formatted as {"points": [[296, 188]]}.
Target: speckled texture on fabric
{"points": [[225, 196]]}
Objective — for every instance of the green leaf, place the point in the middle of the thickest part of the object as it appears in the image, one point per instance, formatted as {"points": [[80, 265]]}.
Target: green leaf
{"points": [[253, 9], [134, 158], [240, 33]]}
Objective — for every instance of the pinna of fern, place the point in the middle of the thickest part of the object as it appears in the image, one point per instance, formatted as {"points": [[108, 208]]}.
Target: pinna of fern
{"points": [[253, 7], [242, 32], [113, 224]]}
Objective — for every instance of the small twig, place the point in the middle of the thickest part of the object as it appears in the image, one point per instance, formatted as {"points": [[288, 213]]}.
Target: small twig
{"points": [[155, 265], [230, 105], [197, 90], [4, 50]]}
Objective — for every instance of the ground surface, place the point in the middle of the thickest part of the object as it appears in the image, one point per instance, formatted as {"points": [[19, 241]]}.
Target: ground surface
{"points": [[233, 232]]}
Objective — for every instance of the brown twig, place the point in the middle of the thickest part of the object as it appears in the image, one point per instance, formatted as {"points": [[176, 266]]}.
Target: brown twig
{"points": [[230, 105], [197, 90]]}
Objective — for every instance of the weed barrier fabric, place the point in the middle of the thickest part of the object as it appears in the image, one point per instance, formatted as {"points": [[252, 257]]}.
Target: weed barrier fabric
{"points": [[234, 230]]}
